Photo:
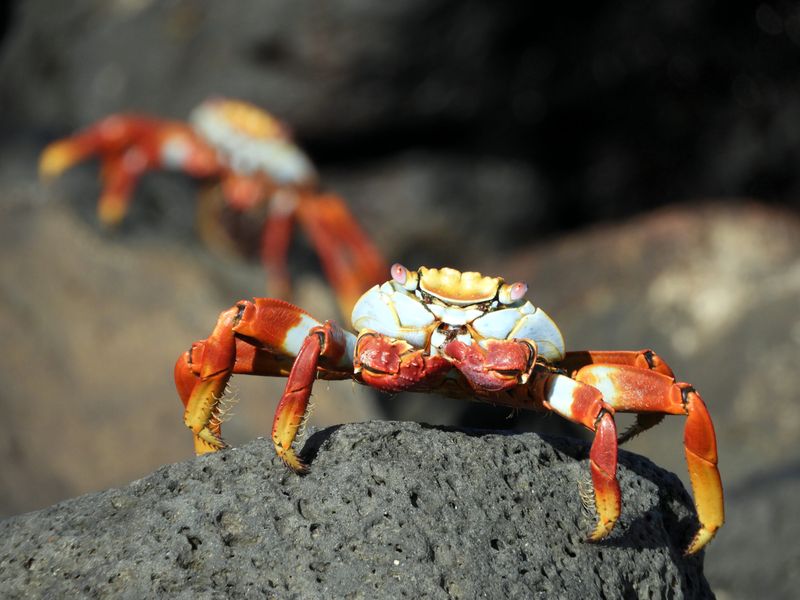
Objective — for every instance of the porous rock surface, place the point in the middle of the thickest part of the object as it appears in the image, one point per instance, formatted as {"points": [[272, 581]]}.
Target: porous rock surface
{"points": [[389, 510]]}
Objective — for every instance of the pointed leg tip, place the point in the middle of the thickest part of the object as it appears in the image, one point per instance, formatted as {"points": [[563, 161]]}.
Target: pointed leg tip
{"points": [[291, 460], [601, 531], [111, 210], [204, 448], [700, 540], [54, 160], [207, 442]]}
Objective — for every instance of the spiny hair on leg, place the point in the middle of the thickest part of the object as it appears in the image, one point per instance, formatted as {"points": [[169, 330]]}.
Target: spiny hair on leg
{"points": [[223, 405], [302, 430], [586, 493]]}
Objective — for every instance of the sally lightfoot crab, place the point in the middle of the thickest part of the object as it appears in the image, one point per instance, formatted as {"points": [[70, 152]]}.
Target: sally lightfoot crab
{"points": [[462, 335], [254, 158]]}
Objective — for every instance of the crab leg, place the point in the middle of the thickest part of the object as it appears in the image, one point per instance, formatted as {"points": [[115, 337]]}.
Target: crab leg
{"points": [[325, 341], [275, 240], [119, 175], [261, 337], [107, 137], [586, 405], [351, 262], [129, 145], [218, 357], [632, 389], [644, 359]]}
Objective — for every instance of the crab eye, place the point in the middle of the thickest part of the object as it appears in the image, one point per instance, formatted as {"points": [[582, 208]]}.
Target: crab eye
{"points": [[399, 273], [512, 293], [408, 279]]}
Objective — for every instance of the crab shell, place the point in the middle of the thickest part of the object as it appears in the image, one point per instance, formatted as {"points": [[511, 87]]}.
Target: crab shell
{"points": [[251, 141], [445, 299]]}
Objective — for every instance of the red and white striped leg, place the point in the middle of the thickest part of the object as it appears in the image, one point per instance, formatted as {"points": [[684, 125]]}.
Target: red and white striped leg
{"points": [[261, 337], [644, 359], [633, 389], [585, 405]]}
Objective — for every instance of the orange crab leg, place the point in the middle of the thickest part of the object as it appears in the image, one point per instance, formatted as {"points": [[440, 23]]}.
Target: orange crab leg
{"points": [[644, 359], [261, 337], [339, 218], [632, 389], [326, 341], [129, 145], [275, 240], [351, 262], [111, 136], [215, 371], [586, 405], [119, 174]]}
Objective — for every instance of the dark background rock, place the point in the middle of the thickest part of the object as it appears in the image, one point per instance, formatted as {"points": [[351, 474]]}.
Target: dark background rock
{"points": [[389, 510], [619, 108]]}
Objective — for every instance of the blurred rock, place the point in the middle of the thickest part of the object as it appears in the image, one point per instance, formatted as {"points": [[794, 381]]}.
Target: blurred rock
{"points": [[714, 289], [333, 69], [388, 510], [438, 209], [90, 327], [612, 104]]}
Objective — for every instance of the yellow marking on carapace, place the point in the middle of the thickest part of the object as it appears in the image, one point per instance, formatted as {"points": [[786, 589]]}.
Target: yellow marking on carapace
{"points": [[249, 119], [461, 288]]}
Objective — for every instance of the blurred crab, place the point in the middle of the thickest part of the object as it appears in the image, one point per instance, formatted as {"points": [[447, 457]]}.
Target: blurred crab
{"points": [[462, 335], [254, 158]]}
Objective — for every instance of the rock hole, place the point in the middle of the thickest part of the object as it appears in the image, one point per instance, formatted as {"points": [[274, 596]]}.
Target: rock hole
{"points": [[194, 542], [414, 499], [495, 543]]}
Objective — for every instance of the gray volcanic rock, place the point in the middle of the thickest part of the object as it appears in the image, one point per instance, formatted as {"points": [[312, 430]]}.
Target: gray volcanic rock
{"points": [[389, 510]]}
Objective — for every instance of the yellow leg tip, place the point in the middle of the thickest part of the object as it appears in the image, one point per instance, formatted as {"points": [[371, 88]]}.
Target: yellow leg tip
{"points": [[55, 159], [701, 538], [205, 442], [111, 210], [291, 460], [602, 530]]}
